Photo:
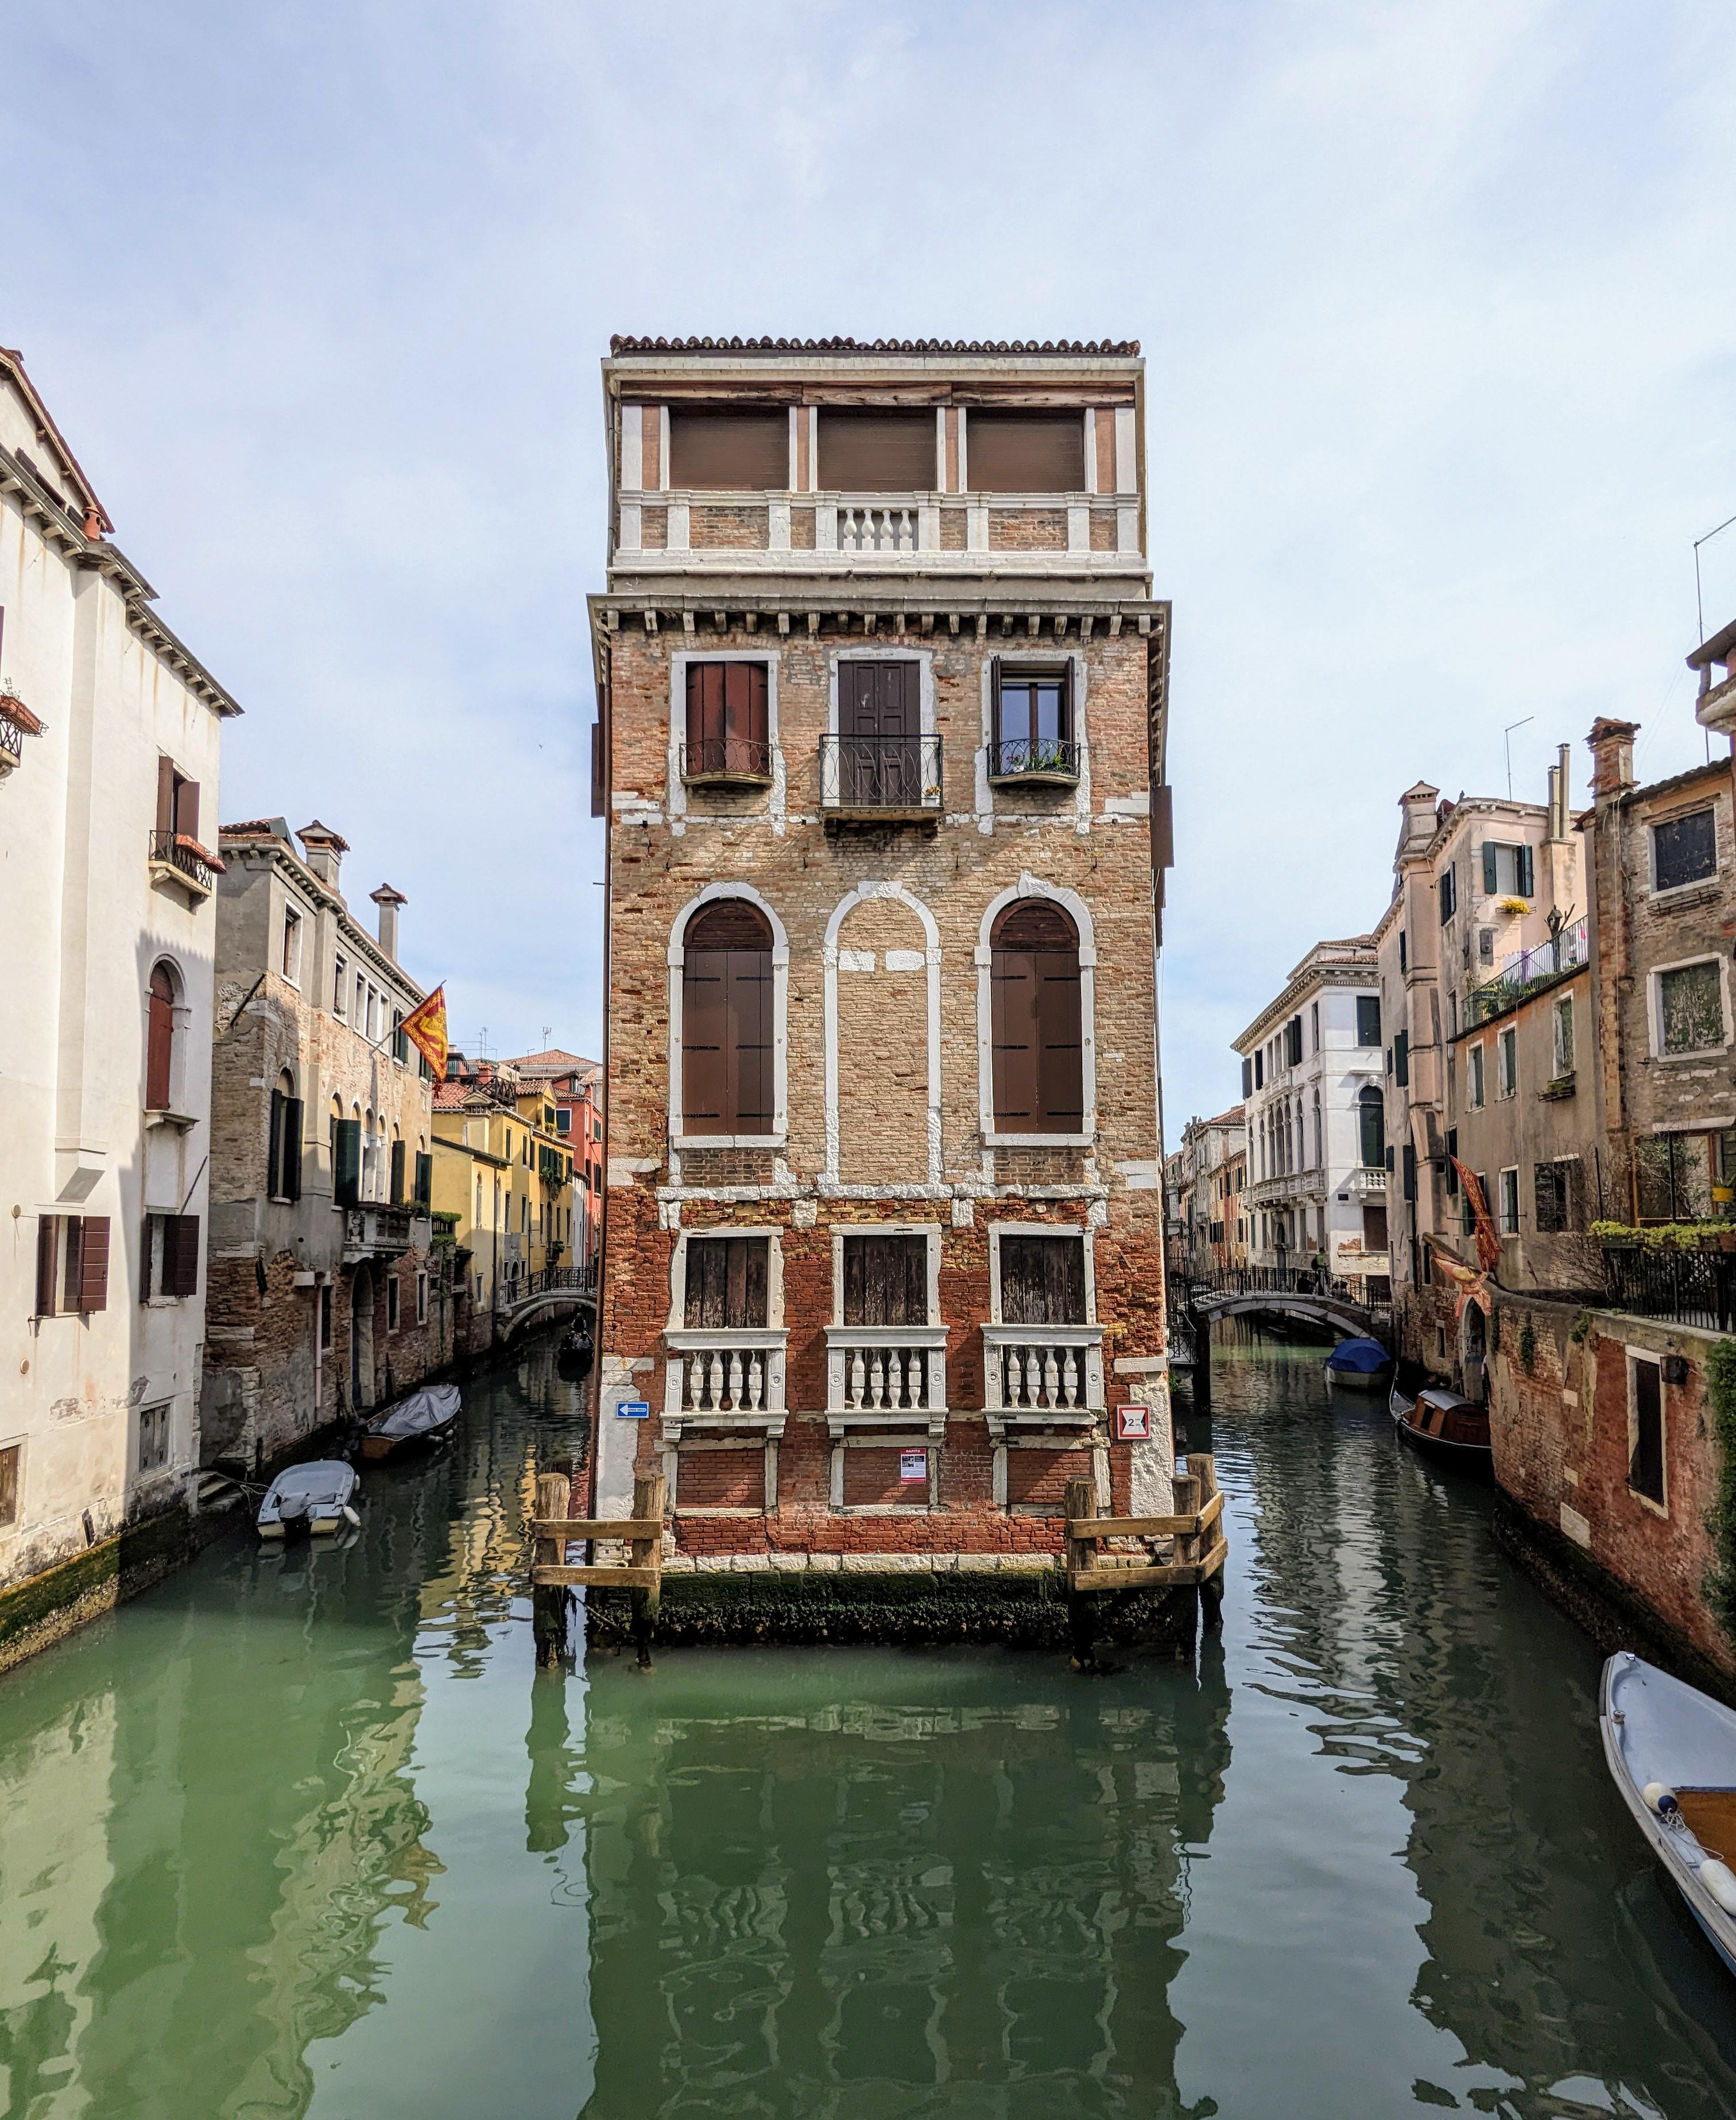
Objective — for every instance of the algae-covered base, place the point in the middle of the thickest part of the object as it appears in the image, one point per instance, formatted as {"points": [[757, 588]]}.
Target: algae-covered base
{"points": [[1019, 1610]]}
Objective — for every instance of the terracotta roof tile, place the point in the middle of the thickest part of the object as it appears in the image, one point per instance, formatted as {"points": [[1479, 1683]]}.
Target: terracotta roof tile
{"points": [[1062, 347]]}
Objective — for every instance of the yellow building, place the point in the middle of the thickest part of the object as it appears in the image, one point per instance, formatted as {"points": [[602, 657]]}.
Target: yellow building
{"points": [[502, 1180]]}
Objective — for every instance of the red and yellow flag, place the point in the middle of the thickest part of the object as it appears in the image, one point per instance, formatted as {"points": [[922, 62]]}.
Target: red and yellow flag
{"points": [[425, 1028]]}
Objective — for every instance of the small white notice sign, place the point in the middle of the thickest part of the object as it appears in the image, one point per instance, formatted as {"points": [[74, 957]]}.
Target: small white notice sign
{"points": [[913, 1468]]}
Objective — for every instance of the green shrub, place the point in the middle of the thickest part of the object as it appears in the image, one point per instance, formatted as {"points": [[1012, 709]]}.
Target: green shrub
{"points": [[1720, 1586]]}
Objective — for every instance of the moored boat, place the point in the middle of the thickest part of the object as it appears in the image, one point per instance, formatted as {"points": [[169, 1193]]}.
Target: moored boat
{"points": [[575, 1353], [1443, 1425], [424, 1417], [314, 1497], [1358, 1365], [1671, 1752]]}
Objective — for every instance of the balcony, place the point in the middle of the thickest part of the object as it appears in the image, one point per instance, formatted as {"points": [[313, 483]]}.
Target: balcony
{"points": [[724, 1377], [1046, 1374], [1034, 760], [892, 1376], [1366, 1179], [377, 1231], [1523, 969], [175, 858], [880, 780], [869, 526], [1683, 1287], [727, 761]]}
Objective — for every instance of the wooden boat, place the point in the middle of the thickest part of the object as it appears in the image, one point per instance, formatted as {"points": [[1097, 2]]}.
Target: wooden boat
{"points": [[575, 1353], [1672, 1752], [314, 1498], [424, 1417], [1445, 1426], [1358, 1365]]}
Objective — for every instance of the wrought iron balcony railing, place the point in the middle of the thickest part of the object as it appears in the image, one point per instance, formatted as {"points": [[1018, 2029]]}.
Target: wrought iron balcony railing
{"points": [[1034, 758], [725, 761], [881, 776], [193, 866], [1689, 1288]]}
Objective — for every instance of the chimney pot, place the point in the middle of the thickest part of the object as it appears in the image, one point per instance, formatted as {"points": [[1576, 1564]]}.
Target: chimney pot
{"points": [[1611, 744], [389, 900]]}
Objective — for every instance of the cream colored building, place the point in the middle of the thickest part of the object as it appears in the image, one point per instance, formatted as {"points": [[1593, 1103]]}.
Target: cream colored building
{"points": [[110, 739]]}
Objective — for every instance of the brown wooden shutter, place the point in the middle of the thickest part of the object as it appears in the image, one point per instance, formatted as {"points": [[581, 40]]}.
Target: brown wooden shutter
{"points": [[187, 808], [1163, 827], [293, 1121], [159, 1041], [599, 793], [748, 1057], [1012, 1037], [864, 451], [704, 1031], [180, 1254], [723, 447], [995, 734], [93, 1263], [48, 1263], [164, 794], [727, 1284], [885, 1281], [1061, 1079], [1027, 452], [1042, 1281]]}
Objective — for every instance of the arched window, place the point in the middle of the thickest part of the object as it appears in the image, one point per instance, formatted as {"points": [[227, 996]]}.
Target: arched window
{"points": [[1036, 1021], [160, 1040], [1371, 1111], [283, 1141], [727, 1022]]}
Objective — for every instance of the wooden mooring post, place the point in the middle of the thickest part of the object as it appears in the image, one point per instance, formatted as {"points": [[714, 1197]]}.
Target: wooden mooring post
{"points": [[550, 1603], [551, 1576], [1199, 1551]]}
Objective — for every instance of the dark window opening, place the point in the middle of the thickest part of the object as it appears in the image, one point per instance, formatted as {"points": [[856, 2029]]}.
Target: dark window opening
{"points": [[1368, 1019], [1449, 896], [1554, 1198], [1646, 1458], [1042, 1281], [1401, 1059], [1294, 1042], [868, 452], [1371, 1116], [734, 450], [885, 1281], [726, 1021], [727, 1280], [171, 1260], [1033, 723], [1036, 1021], [728, 735], [1684, 850], [1024, 451]]}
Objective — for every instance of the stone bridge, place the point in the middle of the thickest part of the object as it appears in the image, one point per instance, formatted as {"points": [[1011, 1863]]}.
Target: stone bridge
{"points": [[1289, 1295], [551, 1296]]}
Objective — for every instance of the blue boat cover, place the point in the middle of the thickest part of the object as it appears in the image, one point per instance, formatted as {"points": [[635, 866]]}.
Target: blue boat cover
{"points": [[1361, 1357]]}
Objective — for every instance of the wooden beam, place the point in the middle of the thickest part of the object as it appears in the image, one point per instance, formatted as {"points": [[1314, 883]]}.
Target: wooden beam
{"points": [[1146, 1527], [1139, 1575], [568, 1527], [550, 1575]]}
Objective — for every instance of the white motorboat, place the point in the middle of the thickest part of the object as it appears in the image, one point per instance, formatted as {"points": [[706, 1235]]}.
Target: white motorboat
{"points": [[1672, 1750], [314, 1497], [424, 1417]]}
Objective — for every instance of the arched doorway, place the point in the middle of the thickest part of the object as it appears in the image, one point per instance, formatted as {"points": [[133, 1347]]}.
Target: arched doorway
{"points": [[361, 1339], [1475, 1354]]}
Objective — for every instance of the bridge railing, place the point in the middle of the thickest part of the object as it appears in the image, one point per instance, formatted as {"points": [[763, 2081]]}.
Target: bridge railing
{"points": [[547, 1281], [1370, 1292]]}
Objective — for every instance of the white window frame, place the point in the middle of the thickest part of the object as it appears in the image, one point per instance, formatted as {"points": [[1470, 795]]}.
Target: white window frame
{"points": [[772, 1339], [1507, 1048], [1070, 903], [1564, 1002], [1075, 663], [1476, 1076], [1648, 1355], [679, 1139], [866, 893], [1669, 893], [165, 1407], [295, 924], [1502, 1226], [20, 1441], [676, 789], [1654, 1007]]}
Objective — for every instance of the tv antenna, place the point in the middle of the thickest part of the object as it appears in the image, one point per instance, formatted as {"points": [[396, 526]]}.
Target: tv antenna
{"points": [[1506, 737]]}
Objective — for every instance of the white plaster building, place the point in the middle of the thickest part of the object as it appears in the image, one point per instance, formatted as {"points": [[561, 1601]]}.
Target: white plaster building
{"points": [[107, 763], [1312, 1075]]}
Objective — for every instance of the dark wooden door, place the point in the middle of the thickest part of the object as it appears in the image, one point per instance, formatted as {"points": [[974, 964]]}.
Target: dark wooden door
{"points": [[1042, 1281], [879, 723], [885, 1281]]}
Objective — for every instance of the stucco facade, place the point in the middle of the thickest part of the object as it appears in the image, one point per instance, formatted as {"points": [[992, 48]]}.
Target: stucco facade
{"points": [[110, 757], [871, 925]]}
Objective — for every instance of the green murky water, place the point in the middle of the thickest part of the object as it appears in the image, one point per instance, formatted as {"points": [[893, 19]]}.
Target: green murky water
{"points": [[309, 1835]]}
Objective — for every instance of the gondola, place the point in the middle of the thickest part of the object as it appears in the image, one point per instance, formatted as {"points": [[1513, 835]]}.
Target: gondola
{"points": [[1671, 1751], [1445, 1426], [573, 1355], [425, 1416]]}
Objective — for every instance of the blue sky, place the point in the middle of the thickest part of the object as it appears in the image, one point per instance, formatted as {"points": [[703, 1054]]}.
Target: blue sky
{"points": [[1438, 304]]}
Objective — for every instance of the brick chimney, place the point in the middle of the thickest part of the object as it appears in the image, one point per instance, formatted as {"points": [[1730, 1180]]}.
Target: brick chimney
{"points": [[389, 900], [1612, 753], [324, 850], [1417, 806]]}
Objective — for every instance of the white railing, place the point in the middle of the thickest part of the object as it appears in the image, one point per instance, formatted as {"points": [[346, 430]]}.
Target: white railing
{"points": [[874, 527], [885, 1369], [1367, 1177], [1043, 1369], [1520, 966], [737, 1374]]}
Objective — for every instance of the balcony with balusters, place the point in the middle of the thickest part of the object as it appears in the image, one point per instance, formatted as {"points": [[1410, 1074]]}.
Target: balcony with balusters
{"points": [[1042, 1375], [724, 1379], [886, 1376]]}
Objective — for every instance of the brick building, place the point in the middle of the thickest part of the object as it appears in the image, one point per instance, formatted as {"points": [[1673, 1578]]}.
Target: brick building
{"points": [[880, 745], [327, 1297], [574, 1087]]}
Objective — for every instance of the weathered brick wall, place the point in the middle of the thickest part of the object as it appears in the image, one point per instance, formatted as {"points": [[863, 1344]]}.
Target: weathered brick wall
{"points": [[1027, 529], [714, 528], [882, 1042], [723, 1479], [1562, 1442]]}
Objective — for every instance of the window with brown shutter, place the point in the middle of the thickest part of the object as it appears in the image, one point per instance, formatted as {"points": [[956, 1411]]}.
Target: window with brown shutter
{"points": [[747, 450], [1021, 452], [870, 452], [1042, 1281], [726, 1021], [728, 735], [180, 1255], [727, 1284], [1036, 1027], [48, 1240], [87, 1261], [160, 1039], [885, 1281]]}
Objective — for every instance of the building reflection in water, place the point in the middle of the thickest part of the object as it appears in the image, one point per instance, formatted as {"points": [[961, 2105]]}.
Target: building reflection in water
{"points": [[846, 1883]]}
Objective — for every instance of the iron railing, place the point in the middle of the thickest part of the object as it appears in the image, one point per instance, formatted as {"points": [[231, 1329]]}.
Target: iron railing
{"points": [[1688, 1288], [726, 758], [895, 774], [175, 850], [1524, 968], [1034, 758], [12, 743], [1367, 1291], [549, 1279]]}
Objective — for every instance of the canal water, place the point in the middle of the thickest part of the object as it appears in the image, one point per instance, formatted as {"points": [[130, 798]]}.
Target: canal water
{"points": [[306, 1833]]}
